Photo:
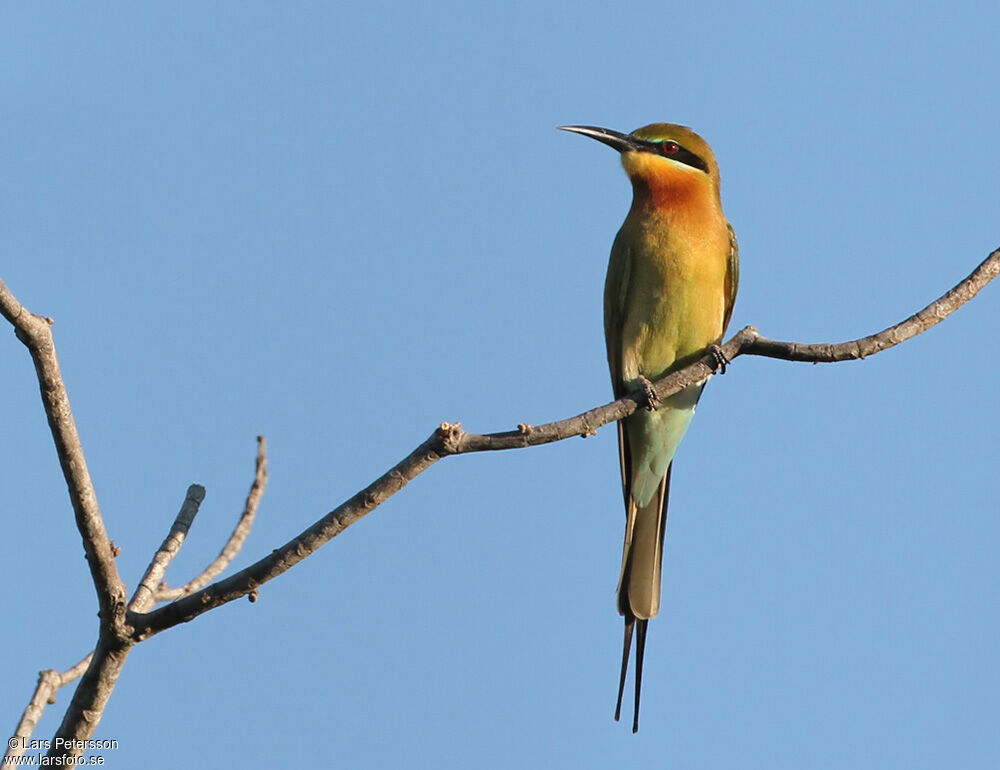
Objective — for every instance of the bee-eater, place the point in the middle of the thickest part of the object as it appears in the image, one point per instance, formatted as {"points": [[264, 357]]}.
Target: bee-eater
{"points": [[668, 299]]}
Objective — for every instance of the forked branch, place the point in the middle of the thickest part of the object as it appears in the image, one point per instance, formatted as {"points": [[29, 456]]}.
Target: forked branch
{"points": [[145, 596], [235, 543]]}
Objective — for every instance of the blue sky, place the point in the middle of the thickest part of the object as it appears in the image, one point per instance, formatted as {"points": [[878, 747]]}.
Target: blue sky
{"points": [[339, 227]]}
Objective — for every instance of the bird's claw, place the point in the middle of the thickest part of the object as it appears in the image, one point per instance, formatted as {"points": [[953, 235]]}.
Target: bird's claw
{"points": [[652, 400], [720, 358]]}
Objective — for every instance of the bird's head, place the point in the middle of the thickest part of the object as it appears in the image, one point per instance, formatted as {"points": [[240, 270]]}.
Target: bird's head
{"points": [[665, 162]]}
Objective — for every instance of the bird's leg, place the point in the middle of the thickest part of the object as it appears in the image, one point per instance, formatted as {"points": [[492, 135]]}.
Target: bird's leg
{"points": [[721, 360], [652, 400]]}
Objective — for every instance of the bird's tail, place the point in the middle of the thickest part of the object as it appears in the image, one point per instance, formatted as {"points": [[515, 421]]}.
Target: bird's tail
{"points": [[626, 649], [640, 648], [639, 586]]}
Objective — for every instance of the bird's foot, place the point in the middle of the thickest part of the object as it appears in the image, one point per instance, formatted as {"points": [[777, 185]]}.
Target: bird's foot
{"points": [[652, 400], [720, 358]]}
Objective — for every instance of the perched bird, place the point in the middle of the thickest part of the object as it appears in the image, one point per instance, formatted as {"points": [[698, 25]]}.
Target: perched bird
{"points": [[668, 299]]}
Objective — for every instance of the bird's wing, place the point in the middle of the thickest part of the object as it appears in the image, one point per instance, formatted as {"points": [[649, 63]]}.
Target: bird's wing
{"points": [[616, 291], [732, 277], [616, 288]]}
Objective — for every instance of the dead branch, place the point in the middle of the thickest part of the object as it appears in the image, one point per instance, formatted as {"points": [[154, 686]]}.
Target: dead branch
{"points": [[51, 681], [235, 542], [145, 595]]}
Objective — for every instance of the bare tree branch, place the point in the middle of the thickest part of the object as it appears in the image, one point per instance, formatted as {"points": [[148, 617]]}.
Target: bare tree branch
{"points": [[235, 542], [91, 696], [285, 557], [449, 439], [49, 682], [145, 595], [108, 658], [919, 322], [36, 334]]}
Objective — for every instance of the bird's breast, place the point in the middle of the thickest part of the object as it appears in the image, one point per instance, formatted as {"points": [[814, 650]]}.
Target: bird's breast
{"points": [[676, 289]]}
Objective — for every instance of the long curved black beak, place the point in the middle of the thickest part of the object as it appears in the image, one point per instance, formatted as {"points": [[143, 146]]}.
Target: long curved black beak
{"points": [[616, 139]]}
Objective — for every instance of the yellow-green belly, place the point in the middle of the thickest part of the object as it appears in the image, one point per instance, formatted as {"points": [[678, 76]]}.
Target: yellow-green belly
{"points": [[673, 304]]}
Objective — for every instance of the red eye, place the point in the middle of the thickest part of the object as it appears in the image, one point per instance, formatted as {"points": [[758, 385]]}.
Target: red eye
{"points": [[669, 148]]}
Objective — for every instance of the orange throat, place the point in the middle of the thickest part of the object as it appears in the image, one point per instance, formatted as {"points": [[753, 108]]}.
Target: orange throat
{"points": [[665, 187]]}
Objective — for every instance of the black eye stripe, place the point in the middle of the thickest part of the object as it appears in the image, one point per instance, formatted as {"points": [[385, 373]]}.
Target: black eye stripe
{"points": [[681, 154]]}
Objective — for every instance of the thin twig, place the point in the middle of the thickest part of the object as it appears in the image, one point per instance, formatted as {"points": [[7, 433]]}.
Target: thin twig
{"points": [[145, 595], [108, 658], [86, 707], [49, 682], [143, 599], [236, 540], [919, 322]]}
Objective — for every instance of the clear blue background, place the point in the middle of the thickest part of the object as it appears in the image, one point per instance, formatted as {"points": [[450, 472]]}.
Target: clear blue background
{"points": [[340, 226]]}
